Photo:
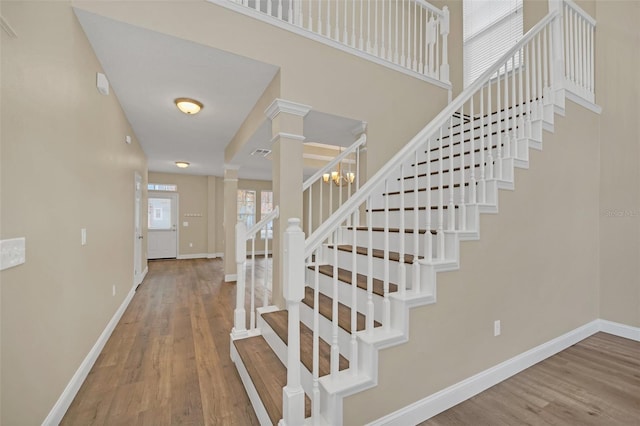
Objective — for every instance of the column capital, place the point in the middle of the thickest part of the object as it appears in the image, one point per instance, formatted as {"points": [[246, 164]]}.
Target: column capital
{"points": [[282, 105]]}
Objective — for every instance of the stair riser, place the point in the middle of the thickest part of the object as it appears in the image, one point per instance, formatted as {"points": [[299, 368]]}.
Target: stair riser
{"points": [[378, 219], [326, 330], [345, 293], [345, 262], [410, 198], [280, 349], [395, 238]]}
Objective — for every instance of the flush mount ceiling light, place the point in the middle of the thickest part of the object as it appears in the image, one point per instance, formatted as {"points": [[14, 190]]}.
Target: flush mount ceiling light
{"points": [[182, 164], [188, 106]]}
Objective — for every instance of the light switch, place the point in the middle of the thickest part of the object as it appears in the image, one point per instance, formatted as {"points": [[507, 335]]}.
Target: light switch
{"points": [[13, 253], [185, 224], [83, 236]]}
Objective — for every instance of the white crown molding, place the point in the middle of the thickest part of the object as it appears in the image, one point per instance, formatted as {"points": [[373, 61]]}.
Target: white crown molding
{"points": [[228, 166], [281, 105], [283, 135], [66, 398]]}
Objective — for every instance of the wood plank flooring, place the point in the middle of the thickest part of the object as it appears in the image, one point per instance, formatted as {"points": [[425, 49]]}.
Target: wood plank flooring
{"points": [[595, 382], [167, 361]]}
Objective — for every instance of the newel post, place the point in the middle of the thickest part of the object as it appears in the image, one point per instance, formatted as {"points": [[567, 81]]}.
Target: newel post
{"points": [[239, 314], [293, 288]]}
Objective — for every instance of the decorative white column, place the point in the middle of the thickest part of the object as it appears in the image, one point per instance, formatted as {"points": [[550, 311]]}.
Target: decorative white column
{"points": [[229, 220], [287, 123], [293, 288]]}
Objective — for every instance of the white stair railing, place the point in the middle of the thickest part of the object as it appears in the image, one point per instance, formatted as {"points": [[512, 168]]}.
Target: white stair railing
{"points": [[259, 278], [465, 153], [579, 50], [328, 188], [410, 34]]}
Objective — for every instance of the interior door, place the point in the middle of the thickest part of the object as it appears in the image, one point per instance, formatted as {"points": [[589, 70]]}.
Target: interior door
{"points": [[137, 235], [162, 234]]}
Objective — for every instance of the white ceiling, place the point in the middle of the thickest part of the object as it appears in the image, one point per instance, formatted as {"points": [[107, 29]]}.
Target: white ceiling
{"points": [[147, 70]]}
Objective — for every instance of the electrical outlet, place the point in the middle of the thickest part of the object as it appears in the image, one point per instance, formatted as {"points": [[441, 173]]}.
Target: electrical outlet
{"points": [[83, 236], [190, 244], [113, 291], [13, 252], [496, 328]]}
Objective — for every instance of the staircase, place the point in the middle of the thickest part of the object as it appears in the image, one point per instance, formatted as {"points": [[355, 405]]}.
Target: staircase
{"points": [[349, 286]]}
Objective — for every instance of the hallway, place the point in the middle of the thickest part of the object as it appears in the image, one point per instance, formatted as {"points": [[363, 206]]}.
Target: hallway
{"points": [[167, 361]]}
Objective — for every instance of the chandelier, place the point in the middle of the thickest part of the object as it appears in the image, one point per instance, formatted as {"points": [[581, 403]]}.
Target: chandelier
{"points": [[339, 178]]}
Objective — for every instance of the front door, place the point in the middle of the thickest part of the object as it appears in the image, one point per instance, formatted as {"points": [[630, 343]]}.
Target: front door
{"points": [[163, 226]]}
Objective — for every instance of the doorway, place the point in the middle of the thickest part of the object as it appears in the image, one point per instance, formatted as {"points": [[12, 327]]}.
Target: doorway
{"points": [[138, 274], [162, 212]]}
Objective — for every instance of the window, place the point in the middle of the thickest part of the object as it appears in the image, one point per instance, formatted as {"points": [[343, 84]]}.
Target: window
{"points": [[247, 207], [159, 216], [162, 187], [491, 28], [266, 207]]}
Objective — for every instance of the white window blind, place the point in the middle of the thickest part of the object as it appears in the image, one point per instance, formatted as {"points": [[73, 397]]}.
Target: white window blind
{"points": [[491, 27]]}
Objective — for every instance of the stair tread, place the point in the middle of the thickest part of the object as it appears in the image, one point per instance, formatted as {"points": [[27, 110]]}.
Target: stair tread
{"points": [[267, 373], [393, 256], [325, 308], [344, 275], [395, 209], [279, 320], [433, 188], [394, 230]]}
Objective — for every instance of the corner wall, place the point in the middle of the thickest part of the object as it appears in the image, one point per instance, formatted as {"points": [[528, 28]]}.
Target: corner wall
{"points": [[535, 268], [618, 92], [64, 166]]}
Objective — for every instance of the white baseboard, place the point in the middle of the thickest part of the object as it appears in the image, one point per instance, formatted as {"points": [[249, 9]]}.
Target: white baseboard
{"points": [[230, 277], [140, 277], [440, 401], [621, 330], [215, 255], [66, 398], [193, 256]]}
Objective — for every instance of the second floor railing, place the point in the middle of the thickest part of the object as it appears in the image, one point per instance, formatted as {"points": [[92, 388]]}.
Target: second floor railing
{"points": [[409, 34], [332, 185]]}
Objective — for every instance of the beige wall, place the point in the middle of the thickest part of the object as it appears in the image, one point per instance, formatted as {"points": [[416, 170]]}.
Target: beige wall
{"points": [[65, 166], [535, 268], [618, 92], [254, 120], [193, 193]]}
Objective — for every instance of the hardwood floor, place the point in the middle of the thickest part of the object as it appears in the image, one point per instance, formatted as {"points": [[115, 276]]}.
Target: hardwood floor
{"points": [[595, 382], [167, 361]]}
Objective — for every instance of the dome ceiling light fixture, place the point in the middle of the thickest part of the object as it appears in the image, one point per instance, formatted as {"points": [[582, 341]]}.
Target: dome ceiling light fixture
{"points": [[188, 106], [182, 164]]}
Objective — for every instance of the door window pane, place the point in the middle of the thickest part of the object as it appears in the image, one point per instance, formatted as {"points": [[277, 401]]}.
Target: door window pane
{"points": [[159, 215]]}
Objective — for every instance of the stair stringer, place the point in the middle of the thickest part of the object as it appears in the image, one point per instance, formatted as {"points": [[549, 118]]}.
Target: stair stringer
{"points": [[371, 343]]}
